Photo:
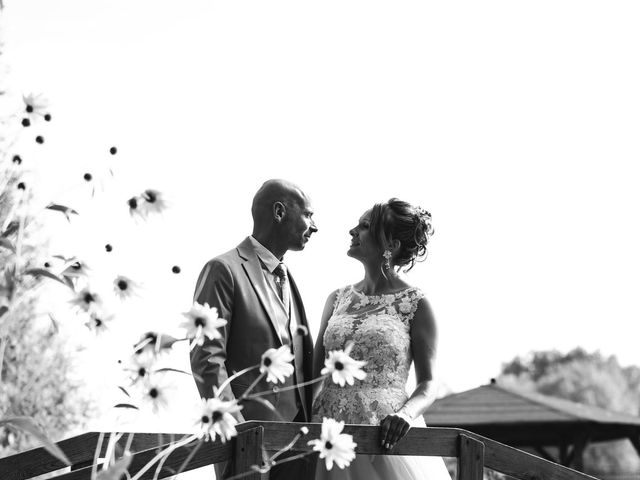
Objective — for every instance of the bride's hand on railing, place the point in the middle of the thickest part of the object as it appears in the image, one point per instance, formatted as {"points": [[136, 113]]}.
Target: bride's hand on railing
{"points": [[393, 428]]}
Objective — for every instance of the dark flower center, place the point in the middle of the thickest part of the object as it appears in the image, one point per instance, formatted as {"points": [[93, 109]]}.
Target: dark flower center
{"points": [[29, 109], [76, 266], [133, 203], [113, 150], [339, 366], [204, 419], [150, 196], [88, 298], [216, 416], [175, 269], [153, 393], [87, 177], [98, 322], [142, 371], [199, 322], [108, 247], [122, 285], [26, 122], [39, 139], [17, 160], [266, 362], [21, 186], [47, 117], [328, 445]]}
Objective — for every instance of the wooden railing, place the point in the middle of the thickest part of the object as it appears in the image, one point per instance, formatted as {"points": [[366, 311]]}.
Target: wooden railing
{"points": [[473, 452]]}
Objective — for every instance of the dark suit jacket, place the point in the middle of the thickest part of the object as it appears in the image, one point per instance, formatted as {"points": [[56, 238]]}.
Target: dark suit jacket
{"points": [[234, 283]]}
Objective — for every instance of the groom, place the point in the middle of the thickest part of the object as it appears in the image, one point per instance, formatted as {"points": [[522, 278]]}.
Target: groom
{"points": [[254, 292]]}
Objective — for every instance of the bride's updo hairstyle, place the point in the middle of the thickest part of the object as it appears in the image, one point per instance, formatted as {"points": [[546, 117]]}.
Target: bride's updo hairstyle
{"points": [[411, 226]]}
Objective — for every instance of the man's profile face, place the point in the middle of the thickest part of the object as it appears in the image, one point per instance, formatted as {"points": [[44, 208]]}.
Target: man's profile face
{"points": [[298, 224]]}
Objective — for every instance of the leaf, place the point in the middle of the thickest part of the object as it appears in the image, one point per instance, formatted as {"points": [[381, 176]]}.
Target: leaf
{"points": [[61, 208], [36, 272], [126, 405], [11, 228], [27, 425], [6, 243], [116, 470], [125, 391]]}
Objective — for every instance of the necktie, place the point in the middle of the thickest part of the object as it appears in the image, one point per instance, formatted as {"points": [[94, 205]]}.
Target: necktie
{"points": [[281, 274]]}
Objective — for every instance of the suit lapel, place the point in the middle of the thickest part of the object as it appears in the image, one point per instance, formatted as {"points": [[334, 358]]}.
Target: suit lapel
{"points": [[253, 269]]}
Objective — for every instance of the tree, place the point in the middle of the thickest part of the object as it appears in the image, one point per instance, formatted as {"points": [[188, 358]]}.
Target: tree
{"points": [[588, 378], [36, 374]]}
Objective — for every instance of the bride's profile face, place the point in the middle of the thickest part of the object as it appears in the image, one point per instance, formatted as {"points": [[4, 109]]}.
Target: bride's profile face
{"points": [[363, 245]]}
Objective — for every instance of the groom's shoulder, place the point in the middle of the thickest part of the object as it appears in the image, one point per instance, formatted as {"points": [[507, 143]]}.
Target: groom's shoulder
{"points": [[230, 258]]}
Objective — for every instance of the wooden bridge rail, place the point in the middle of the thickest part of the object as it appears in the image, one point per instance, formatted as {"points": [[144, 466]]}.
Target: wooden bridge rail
{"points": [[473, 452]]}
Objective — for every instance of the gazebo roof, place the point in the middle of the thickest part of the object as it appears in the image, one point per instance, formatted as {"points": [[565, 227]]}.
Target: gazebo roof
{"points": [[526, 418]]}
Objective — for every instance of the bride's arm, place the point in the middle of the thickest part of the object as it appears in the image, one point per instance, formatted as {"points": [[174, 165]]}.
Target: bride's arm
{"points": [[318, 351], [423, 346]]}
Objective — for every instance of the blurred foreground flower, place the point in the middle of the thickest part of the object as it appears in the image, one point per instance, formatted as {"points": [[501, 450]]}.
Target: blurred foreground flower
{"points": [[86, 300], [217, 418], [124, 287], [155, 393], [342, 367], [277, 364], [153, 343], [202, 321], [333, 445], [148, 202], [98, 321], [35, 106]]}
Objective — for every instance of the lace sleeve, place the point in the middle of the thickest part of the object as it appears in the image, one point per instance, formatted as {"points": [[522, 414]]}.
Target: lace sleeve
{"points": [[409, 304]]}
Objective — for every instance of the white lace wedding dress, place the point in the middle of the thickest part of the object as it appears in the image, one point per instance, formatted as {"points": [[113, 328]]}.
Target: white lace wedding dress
{"points": [[379, 326]]}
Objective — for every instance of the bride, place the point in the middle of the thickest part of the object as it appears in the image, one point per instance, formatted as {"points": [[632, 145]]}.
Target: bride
{"points": [[390, 324]]}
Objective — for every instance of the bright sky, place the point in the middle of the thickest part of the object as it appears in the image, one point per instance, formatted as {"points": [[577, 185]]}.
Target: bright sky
{"points": [[514, 123]]}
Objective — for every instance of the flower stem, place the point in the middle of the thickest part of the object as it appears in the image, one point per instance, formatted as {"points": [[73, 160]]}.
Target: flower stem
{"points": [[251, 387], [224, 384], [292, 387], [167, 451]]}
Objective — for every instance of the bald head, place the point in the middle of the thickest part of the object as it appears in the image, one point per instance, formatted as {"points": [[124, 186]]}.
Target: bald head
{"points": [[273, 191], [282, 214]]}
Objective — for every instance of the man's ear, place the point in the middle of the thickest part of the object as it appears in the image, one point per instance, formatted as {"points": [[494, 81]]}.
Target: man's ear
{"points": [[279, 211]]}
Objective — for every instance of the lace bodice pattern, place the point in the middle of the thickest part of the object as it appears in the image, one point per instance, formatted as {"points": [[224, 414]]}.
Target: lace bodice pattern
{"points": [[379, 326]]}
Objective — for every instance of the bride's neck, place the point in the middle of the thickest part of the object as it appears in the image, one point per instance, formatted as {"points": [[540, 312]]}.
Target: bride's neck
{"points": [[377, 283]]}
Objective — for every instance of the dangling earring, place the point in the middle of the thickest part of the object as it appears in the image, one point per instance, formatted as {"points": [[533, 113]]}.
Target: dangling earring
{"points": [[387, 259]]}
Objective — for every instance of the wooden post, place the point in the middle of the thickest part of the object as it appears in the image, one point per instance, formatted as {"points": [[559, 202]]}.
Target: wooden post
{"points": [[247, 451], [470, 458]]}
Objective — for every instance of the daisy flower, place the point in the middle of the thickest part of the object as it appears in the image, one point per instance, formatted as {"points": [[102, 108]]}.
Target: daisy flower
{"points": [[86, 300], [153, 343], [277, 364], [342, 367], [155, 393], [98, 322], [333, 445], [140, 368], [75, 269], [124, 287], [216, 418], [34, 106], [154, 201], [149, 202], [202, 321]]}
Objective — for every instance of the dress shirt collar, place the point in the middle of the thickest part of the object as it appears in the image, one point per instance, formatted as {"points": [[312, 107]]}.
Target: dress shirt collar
{"points": [[267, 258]]}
